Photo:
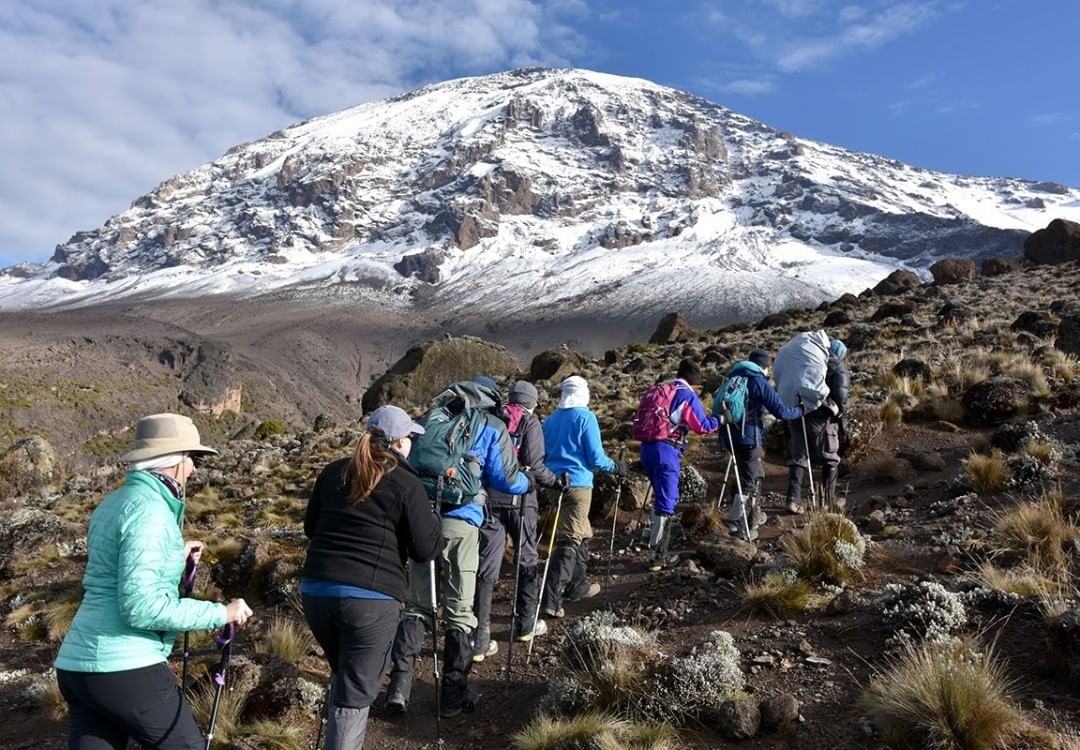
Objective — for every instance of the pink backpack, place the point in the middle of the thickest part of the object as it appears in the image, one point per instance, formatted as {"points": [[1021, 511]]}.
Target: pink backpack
{"points": [[514, 414], [652, 420]]}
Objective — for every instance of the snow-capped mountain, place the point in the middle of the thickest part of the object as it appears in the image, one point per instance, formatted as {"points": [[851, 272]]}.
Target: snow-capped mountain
{"points": [[539, 192]]}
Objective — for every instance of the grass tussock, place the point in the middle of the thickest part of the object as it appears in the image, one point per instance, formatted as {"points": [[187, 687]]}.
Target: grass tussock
{"points": [[286, 639], [945, 696], [58, 616], [275, 735], [1040, 531], [777, 596], [885, 469], [233, 701], [49, 698], [1042, 451], [699, 521], [986, 474], [1024, 581], [892, 416], [829, 548], [593, 730]]}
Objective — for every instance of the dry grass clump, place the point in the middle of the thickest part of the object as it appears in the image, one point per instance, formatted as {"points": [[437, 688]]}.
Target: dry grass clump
{"points": [[946, 696], [1059, 364], [233, 701], [700, 521], [829, 548], [50, 700], [778, 595], [891, 414], [1041, 450], [886, 469], [1024, 581], [986, 474], [275, 735], [1040, 531], [286, 639], [58, 616], [593, 730]]}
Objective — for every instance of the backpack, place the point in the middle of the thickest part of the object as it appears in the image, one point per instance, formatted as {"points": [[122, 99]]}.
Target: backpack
{"points": [[733, 393], [652, 420], [514, 416], [442, 456]]}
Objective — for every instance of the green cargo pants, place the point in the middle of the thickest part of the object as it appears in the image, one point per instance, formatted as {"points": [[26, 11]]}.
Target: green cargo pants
{"points": [[460, 560]]}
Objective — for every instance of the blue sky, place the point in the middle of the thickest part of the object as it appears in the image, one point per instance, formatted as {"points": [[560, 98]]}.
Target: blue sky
{"points": [[100, 100]]}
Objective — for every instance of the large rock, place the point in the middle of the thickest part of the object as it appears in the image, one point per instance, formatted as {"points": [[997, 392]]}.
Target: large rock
{"points": [[953, 271], [425, 370], [996, 400], [892, 310], [779, 711], [555, 364], [897, 282], [211, 383], [1068, 337], [670, 328], [914, 369], [726, 556], [26, 532], [1059, 242], [29, 466], [737, 719], [998, 266], [1036, 323]]}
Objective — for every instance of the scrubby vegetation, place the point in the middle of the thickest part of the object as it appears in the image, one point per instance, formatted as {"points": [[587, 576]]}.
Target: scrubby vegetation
{"points": [[829, 548]]}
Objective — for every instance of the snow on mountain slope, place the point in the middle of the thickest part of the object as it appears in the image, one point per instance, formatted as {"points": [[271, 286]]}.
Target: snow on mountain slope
{"points": [[539, 193]]}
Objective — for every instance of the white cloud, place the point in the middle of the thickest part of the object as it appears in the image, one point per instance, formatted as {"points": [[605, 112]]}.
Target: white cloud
{"points": [[796, 8], [748, 86], [103, 99], [1048, 118], [851, 13]]}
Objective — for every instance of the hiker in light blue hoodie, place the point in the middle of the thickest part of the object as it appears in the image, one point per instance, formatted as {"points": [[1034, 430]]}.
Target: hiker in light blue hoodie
{"points": [[572, 439]]}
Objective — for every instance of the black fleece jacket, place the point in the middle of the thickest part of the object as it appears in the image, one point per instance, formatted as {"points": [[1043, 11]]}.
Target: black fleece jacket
{"points": [[366, 544], [531, 454]]}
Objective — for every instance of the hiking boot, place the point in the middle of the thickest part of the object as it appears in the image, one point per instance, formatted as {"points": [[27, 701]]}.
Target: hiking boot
{"points": [[562, 566], [492, 649], [558, 614], [538, 630], [408, 641], [457, 694], [795, 508], [753, 535], [658, 563], [590, 591], [397, 693], [733, 528]]}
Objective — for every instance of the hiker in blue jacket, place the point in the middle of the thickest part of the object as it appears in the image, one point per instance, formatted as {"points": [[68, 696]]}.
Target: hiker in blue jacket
{"points": [[572, 439], [748, 437], [661, 459], [493, 452]]}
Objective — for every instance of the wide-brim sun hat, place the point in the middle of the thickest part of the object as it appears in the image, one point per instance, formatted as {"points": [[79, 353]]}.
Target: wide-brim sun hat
{"points": [[162, 434]]}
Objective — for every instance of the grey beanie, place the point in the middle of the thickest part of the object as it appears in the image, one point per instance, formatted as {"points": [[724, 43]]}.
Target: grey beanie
{"points": [[523, 392], [761, 358]]}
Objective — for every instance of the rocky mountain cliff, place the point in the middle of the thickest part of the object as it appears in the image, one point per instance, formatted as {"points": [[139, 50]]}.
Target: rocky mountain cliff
{"points": [[539, 193]]}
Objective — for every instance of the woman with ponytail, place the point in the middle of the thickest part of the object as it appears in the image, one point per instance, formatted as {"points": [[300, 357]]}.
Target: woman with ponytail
{"points": [[368, 514]]}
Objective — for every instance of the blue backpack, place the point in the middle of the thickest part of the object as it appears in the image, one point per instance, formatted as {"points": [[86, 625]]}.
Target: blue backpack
{"points": [[734, 394]]}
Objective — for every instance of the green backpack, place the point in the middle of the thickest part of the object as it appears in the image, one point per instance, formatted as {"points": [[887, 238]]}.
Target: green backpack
{"points": [[443, 456]]}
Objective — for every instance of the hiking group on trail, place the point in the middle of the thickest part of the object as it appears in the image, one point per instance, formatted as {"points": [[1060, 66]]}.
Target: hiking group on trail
{"points": [[416, 520]]}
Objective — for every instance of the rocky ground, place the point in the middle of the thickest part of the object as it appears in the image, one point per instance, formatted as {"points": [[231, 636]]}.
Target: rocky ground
{"points": [[966, 413]]}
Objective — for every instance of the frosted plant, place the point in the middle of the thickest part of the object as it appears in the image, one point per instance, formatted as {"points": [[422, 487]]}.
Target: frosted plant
{"points": [[706, 677], [925, 611], [692, 486]]}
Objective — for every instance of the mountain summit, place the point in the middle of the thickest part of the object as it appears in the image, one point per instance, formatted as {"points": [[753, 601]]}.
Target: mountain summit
{"points": [[539, 192]]}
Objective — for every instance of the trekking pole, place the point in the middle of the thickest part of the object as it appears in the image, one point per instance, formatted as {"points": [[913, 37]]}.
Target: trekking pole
{"points": [[547, 563], [322, 713], [738, 485], [224, 641], [187, 585], [644, 505], [517, 582], [615, 516], [809, 460], [435, 654], [727, 472]]}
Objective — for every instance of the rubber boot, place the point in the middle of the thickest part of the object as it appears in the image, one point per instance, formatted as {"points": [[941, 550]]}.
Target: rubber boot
{"points": [[408, 643], [528, 591], [457, 694], [561, 569], [794, 488], [829, 476], [579, 587], [483, 646]]}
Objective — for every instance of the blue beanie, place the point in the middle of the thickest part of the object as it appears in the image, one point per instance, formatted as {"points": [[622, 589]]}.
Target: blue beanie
{"points": [[837, 349]]}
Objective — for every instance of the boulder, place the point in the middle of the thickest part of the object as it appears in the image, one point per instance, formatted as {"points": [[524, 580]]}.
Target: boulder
{"points": [[324, 422], [776, 320], [860, 336], [1059, 242], [28, 467], [892, 310], [914, 369], [897, 282], [737, 719], [996, 400], [283, 693], [779, 711], [1068, 335], [670, 328], [24, 533], [426, 369], [953, 271], [998, 266], [726, 556], [1036, 323], [952, 314], [555, 364], [838, 317], [1011, 437]]}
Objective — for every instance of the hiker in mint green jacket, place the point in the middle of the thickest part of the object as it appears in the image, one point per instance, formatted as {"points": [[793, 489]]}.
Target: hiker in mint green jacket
{"points": [[112, 667]]}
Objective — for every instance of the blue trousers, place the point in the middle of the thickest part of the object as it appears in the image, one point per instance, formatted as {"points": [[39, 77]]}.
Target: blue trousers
{"points": [[661, 463]]}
